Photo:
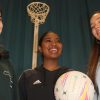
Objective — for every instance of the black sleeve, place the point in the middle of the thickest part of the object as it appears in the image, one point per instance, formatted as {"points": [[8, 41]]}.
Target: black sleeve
{"points": [[13, 80], [21, 87]]}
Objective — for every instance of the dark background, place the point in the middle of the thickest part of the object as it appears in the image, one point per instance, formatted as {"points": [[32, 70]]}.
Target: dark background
{"points": [[69, 18]]}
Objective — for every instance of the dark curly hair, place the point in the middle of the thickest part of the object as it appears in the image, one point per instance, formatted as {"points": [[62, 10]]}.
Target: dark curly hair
{"points": [[44, 34]]}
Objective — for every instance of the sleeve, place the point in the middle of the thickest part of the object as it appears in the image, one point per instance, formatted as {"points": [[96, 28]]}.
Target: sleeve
{"points": [[22, 88], [95, 96], [15, 88], [98, 79], [13, 82]]}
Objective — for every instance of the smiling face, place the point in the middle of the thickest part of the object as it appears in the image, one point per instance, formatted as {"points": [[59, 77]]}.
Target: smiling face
{"points": [[95, 25], [1, 24], [51, 46]]}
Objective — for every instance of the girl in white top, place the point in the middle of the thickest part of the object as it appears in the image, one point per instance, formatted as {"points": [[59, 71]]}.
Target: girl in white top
{"points": [[94, 63]]}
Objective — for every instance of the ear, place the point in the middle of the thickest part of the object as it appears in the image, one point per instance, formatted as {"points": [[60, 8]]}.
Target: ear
{"points": [[40, 49]]}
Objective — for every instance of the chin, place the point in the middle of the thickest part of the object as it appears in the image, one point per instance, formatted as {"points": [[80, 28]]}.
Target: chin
{"points": [[55, 57]]}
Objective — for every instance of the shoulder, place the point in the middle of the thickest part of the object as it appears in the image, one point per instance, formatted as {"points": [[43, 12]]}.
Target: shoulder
{"points": [[26, 74], [64, 70]]}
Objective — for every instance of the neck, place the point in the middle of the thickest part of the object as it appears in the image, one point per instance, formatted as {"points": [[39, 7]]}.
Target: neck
{"points": [[51, 64]]}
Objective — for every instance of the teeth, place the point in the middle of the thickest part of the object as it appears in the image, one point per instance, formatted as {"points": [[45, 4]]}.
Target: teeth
{"points": [[98, 30], [55, 50]]}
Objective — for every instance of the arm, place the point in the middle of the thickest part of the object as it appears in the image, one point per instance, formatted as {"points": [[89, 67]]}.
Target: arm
{"points": [[22, 88]]}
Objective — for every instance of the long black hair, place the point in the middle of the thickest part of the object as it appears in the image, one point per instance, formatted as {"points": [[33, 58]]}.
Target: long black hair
{"points": [[0, 12]]}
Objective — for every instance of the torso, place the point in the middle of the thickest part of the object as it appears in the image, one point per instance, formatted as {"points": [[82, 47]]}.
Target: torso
{"points": [[41, 86], [6, 81]]}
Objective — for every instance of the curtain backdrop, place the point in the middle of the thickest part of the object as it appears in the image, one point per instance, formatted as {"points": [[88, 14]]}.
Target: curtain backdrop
{"points": [[70, 18]]}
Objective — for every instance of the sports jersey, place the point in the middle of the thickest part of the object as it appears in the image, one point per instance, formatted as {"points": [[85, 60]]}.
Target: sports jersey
{"points": [[38, 84]]}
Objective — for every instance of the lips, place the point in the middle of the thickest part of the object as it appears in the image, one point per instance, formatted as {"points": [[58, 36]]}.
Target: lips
{"points": [[53, 50], [98, 32], [98, 29]]}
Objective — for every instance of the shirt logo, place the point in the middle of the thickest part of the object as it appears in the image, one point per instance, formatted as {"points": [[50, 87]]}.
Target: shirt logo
{"points": [[7, 73], [37, 82]]}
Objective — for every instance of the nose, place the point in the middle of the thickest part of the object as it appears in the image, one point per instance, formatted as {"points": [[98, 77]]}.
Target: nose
{"points": [[53, 42]]}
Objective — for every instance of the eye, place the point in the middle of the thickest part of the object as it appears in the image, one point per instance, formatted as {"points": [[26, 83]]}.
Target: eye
{"points": [[58, 40], [98, 20], [48, 40]]}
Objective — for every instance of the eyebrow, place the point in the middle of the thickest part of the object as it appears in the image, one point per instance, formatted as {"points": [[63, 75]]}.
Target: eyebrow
{"points": [[96, 20]]}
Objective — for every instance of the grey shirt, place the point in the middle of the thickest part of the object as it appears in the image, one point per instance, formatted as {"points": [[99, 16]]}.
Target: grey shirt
{"points": [[98, 78], [8, 89]]}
